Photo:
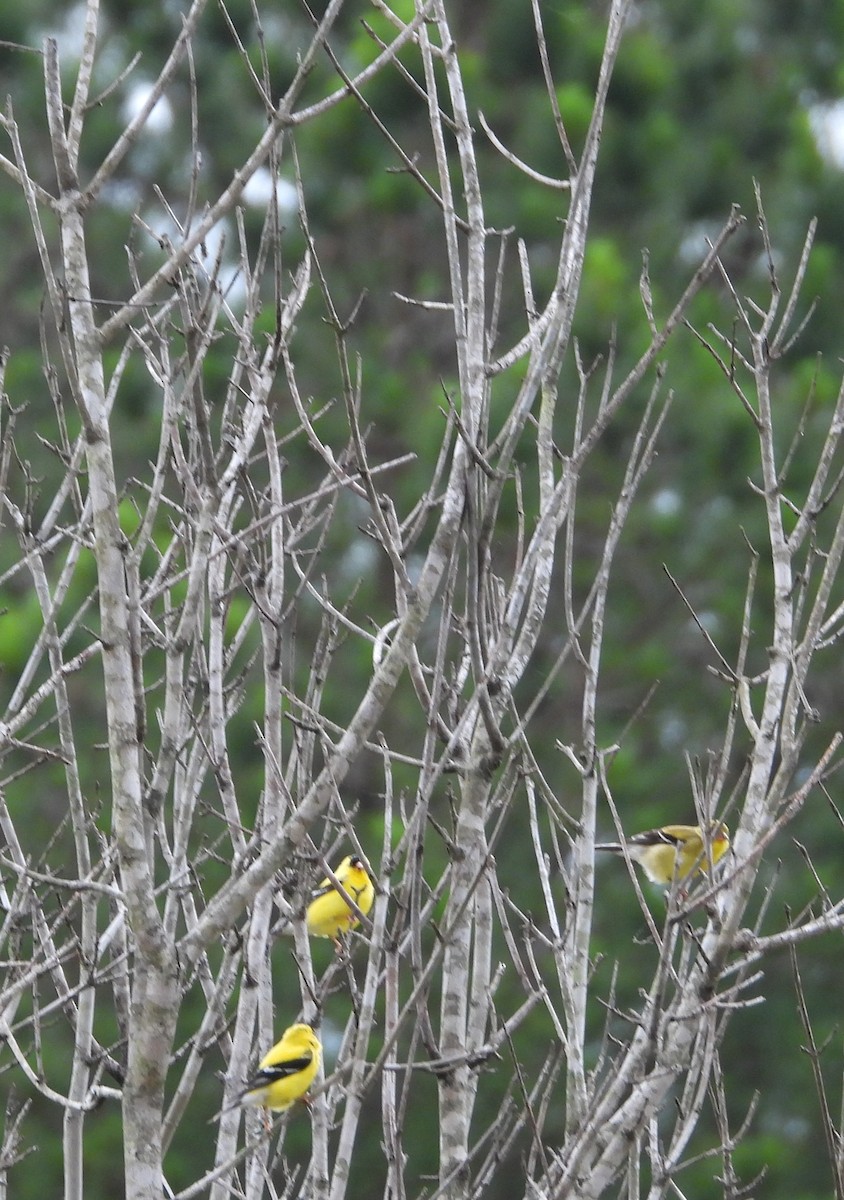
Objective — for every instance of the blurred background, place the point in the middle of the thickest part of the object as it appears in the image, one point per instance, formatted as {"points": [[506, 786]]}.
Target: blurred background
{"points": [[709, 98]]}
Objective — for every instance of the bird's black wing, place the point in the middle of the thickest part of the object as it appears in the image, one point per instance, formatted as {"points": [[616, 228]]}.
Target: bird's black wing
{"points": [[275, 1071], [655, 837]]}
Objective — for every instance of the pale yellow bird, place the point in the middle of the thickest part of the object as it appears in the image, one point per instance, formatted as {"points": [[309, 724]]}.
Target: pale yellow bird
{"points": [[286, 1072], [674, 851], [329, 914]]}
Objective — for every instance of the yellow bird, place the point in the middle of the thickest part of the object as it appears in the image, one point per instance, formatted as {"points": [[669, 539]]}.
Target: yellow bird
{"points": [[286, 1072], [329, 914], [674, 851]]}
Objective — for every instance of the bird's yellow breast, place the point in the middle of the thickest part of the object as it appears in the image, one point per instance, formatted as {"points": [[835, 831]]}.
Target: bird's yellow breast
{"points": [[329, 914]]}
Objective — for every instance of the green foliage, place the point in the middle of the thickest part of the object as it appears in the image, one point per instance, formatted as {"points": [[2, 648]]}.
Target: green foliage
{"points": [[704, 100]]}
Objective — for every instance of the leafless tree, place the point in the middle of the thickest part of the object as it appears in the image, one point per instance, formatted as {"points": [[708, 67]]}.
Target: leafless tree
{"points": [[173, 885]]}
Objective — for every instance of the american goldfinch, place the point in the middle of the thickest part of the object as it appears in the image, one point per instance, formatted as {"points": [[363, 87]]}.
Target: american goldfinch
{"points": [[674, 851], [329, 914], [286, 1072]]}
